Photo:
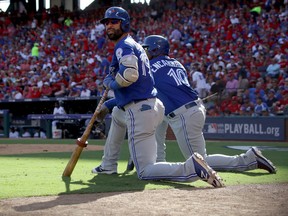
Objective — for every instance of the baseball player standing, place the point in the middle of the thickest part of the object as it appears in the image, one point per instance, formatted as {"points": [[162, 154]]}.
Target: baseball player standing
{"points": [[131, 80], [184, 112], [58, 110]]}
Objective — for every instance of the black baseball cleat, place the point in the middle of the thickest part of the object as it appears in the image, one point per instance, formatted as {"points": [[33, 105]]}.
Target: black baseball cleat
{"points": [[130, 165], [262, 162]]}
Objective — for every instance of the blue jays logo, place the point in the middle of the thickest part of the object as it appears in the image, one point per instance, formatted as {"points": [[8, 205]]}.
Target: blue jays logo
{"points": [[111, 11], [119, 53]]}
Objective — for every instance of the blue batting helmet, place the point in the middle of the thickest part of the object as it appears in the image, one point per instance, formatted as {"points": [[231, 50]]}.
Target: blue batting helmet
{"points": [[120, 14], [156, 45]]}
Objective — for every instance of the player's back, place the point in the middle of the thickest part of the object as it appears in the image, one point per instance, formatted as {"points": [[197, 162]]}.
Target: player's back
{"points": [[171, 82]]}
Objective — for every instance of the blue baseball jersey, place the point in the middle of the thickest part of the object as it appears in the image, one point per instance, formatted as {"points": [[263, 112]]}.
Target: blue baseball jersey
{"points": [[143, 88], [171, 82]]}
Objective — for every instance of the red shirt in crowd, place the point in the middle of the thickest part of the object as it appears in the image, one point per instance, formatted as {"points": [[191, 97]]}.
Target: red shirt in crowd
{"points": [[35, 92], [46, 90], [234, 106]]}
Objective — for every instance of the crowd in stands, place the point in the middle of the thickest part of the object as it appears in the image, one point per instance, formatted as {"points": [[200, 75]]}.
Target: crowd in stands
{"points": [[233, 52]]}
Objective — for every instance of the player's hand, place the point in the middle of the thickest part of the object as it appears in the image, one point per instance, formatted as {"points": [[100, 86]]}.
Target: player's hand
{"points": [[108, 80], [102, 113]]}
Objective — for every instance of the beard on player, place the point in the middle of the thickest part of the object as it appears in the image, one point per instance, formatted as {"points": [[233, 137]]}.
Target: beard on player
{"points": [[114, 34]]}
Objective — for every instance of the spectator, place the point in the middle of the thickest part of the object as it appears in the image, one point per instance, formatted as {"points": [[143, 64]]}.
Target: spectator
{"points": [[254, 73], [175, 35], [218, 62], [259, 107], [275, 86], [253, 92], [17, 95], [285, 87], [282, 104], [99, 29], [62, 92], [104, 65], [2, 94], [232, 85], [97, 69], [218, 86], [246, 108], [198, 81], [74, 92], [35, 92], [242, 77], [283, 64], [271, 101], [232, 63], [234, 106], [35, 51], [68, 22], [265, 112], [85, 92], [100, 90], [273, 69], [46, 90], [26, 92], [220, 73], [212, 111]]}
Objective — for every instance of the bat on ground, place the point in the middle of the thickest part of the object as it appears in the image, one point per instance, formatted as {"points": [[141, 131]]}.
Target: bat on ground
{"points": [[82, 142]]}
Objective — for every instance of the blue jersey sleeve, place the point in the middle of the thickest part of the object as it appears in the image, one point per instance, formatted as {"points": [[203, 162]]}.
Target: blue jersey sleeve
{"points": [[110, 103]]}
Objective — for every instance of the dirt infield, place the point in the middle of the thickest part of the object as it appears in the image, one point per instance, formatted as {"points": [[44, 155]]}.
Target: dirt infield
{"points": [[10, 149], [264, 200]]}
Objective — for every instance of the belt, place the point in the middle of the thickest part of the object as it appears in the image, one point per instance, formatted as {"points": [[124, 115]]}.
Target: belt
{"points": [[183, 108], [124, 108]]}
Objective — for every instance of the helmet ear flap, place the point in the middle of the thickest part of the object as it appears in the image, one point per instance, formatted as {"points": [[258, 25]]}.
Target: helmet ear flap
{"points": [[125, 26], [155, 50]]}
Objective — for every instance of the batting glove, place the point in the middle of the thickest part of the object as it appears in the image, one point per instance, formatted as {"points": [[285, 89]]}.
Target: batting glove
{"points": [[102, 113], [110, 83]]}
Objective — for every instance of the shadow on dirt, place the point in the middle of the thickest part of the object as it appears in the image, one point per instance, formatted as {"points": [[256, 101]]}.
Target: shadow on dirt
{"points": [[118, 184]]}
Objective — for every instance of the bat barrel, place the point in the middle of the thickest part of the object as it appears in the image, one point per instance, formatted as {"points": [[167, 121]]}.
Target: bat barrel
{"points": [[82, 142], [73, 161]]}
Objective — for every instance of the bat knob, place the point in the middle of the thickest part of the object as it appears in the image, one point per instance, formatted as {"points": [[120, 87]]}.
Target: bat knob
{"points": [[81, 143]]}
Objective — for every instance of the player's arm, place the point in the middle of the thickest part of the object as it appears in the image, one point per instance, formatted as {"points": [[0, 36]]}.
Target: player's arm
{"points": [[127, 74], [106, 107], [128, 71]]}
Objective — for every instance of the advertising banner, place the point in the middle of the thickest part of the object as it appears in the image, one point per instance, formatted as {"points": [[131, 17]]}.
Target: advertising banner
{"points": [[245, 128]]}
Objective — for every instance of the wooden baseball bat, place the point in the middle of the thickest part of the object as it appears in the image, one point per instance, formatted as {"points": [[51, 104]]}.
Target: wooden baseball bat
{"points": [[82, 142]]}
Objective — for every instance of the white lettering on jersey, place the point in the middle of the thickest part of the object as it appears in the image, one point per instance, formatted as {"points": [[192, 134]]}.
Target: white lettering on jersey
{"points": [[159, 64], [179, 76], [145, 63]]}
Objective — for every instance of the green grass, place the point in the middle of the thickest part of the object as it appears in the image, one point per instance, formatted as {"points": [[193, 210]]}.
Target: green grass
{"points": [[40, 174]]}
